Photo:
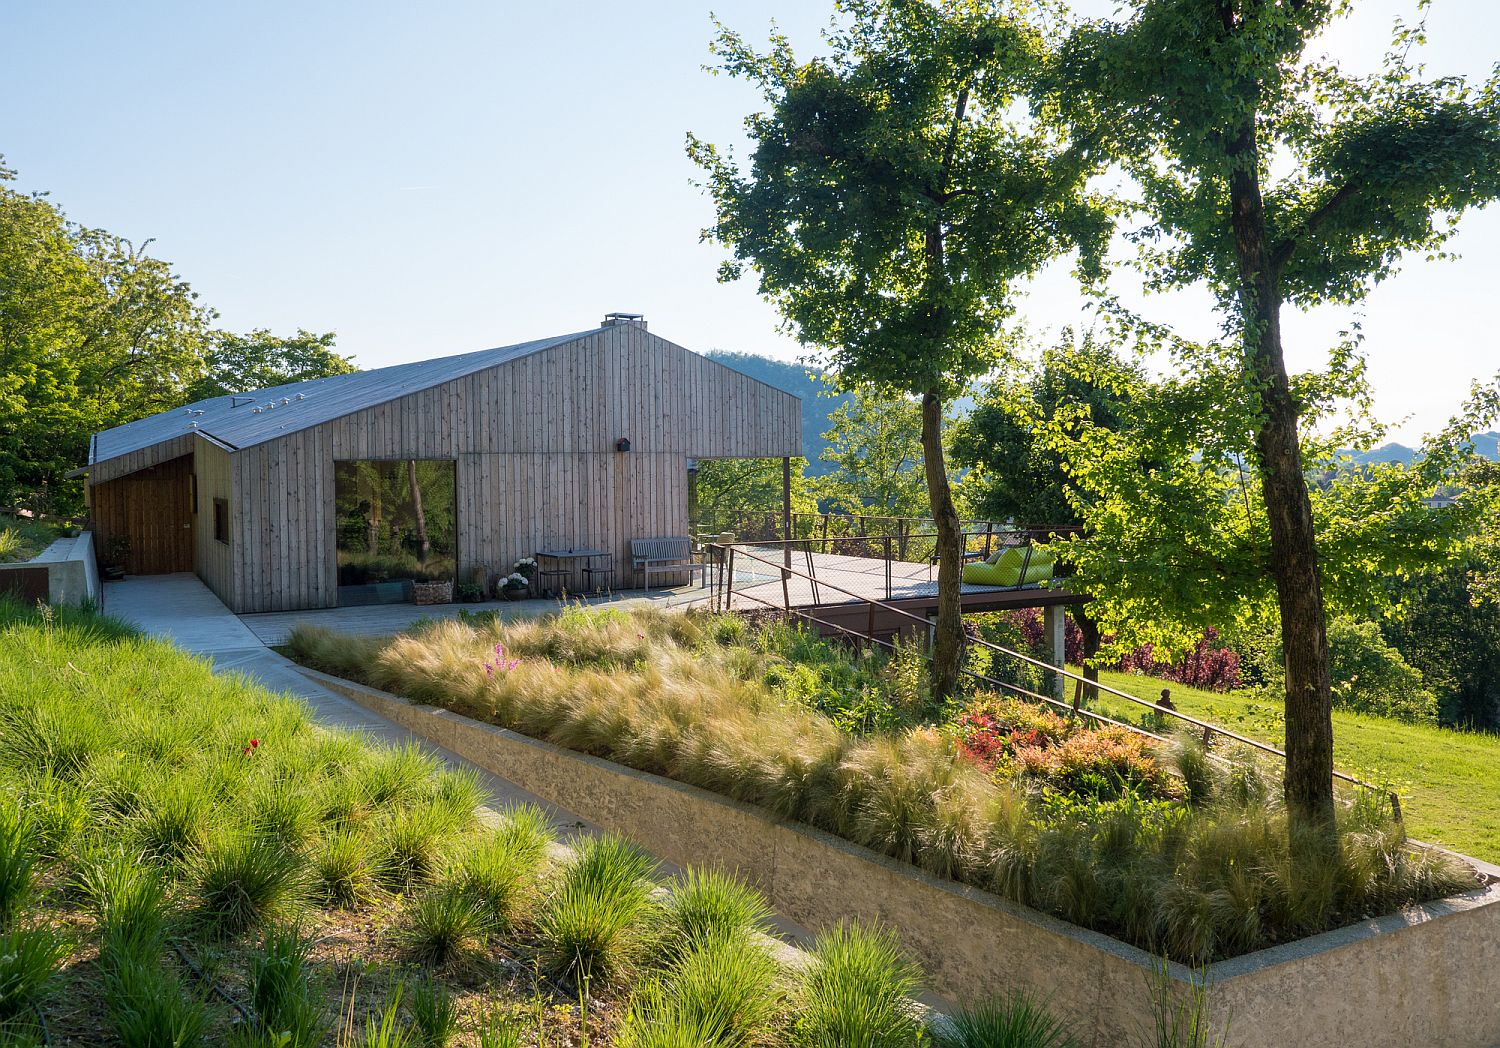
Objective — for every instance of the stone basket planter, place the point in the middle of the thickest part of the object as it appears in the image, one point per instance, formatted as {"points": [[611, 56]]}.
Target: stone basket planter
{"points": [[1427, 975], [432, 592]]}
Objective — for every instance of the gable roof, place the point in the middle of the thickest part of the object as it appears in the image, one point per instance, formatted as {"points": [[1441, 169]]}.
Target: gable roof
{"points": [[234, 422]]}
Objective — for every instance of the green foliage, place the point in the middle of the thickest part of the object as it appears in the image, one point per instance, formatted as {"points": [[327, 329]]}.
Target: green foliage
{"points": [[1368, 674], [17, 859], [444, 925], [595, 925], [260, 360], [411, 844], [97, 333], [29, 959], [720, 992], [129, 901], [288, 1012], [708, 905], [501, 868], [150, 1008], [858, 991], [875, 448], [865, 156], [243, 881], [1008, 1022], [1014, 472], [1371, 676], [342, 869], [22, 539], [1172, 498], [1448, 625], [744, 496], [434, 1014]]}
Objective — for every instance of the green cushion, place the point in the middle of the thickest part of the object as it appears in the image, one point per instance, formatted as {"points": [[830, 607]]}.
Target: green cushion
{"points": [[1004, 569]]}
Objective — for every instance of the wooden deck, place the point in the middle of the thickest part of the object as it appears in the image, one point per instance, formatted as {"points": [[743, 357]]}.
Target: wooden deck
{"points": [[845, 585]]}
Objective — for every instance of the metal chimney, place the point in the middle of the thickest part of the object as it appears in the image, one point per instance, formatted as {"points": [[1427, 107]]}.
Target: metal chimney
{"points": [[632, 319]]}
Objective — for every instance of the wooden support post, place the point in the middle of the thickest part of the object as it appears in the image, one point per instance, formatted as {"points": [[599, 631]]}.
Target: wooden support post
{"points": [[1057, 642], [786, 510]]}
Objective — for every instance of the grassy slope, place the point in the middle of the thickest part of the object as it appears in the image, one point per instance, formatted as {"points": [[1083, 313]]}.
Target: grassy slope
{"points": [[1449, 780], [23, 539]]}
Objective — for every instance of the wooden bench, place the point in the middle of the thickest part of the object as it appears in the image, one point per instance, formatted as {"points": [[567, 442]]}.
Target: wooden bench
{"points": [[670, 555]]}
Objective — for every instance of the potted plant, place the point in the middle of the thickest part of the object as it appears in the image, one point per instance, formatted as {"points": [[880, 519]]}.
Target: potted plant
{"points": [[472, 592], [526, 568], [514, 586]]}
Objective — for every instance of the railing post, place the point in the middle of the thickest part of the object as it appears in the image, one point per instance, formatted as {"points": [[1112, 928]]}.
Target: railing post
{"points": [[729, 582], [786, 591], [1396, 806], [870, 623], [887, 567]]}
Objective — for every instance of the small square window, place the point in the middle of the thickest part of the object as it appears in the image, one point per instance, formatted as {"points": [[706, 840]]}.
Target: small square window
{"points": [[221, 520]]}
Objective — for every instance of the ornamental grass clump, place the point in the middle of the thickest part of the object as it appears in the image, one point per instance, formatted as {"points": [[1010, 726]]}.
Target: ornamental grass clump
{"points": [[502, 867], [444, 926], [1018, 1021], [720, 993], [242, 881], [858, 991], [707, 906], [288, 1012], [342, 870], [17, 859], [601, 918], [29, 960]]}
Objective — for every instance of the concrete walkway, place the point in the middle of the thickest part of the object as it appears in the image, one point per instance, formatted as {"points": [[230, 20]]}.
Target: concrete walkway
{"points": [[183, 610]]}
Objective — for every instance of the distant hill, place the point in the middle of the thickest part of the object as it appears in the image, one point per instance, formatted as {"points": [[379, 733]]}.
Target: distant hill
{"points": [[1487, 445], [799, 380]]}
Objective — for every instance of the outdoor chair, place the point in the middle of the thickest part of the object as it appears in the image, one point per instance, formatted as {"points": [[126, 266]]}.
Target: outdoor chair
{"points": [[1012, 568], [670, 555]]}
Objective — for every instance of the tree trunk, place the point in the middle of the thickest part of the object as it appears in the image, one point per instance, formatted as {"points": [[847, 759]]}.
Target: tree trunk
{"points": [[424, 547], [1090, 630], [1293, 543], [948, 644]]}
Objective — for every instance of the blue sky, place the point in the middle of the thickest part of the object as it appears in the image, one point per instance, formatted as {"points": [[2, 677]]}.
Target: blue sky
{"points": [[432, 178]]}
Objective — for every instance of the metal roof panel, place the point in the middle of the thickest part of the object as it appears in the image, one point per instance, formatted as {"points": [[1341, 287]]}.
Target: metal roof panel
{"points": [[306, 404]]}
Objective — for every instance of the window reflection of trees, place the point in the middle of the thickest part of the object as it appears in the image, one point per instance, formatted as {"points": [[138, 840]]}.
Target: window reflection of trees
{"points": [[395, 520]]}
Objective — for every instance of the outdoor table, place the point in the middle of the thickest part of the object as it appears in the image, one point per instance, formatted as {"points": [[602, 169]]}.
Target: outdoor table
{"points": [[563, 564]]}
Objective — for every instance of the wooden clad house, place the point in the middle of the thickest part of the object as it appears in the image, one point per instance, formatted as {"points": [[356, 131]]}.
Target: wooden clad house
{"points": [[281, 498]]}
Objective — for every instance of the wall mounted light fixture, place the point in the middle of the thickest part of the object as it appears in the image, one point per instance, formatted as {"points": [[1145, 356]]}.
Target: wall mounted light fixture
{"points": [[623, 444]]}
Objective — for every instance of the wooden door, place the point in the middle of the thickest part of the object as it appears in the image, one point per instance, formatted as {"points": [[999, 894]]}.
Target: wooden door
{"points": [[152, 510]]}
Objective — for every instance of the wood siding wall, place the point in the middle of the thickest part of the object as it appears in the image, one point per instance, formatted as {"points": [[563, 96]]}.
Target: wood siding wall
{"points": [[535, 444], [152, 509], [213, 560]]}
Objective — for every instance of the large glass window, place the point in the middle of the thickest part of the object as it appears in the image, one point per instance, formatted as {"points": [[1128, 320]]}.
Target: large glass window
{"points": [[395, 521]]}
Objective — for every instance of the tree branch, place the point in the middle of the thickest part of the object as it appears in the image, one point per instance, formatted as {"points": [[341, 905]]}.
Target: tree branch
{"points": [[1288, 244]]}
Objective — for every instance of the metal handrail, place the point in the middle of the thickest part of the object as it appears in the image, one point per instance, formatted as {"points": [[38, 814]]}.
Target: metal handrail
{"points": [[976, 675], [1207, 727]]}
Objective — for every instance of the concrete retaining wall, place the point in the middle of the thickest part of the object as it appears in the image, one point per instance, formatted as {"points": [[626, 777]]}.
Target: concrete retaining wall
{"points": [[1428, 976], [72, 571]]}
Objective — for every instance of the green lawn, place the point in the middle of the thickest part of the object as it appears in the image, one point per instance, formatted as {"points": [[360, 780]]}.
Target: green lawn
{"points": [[1449, 780]]}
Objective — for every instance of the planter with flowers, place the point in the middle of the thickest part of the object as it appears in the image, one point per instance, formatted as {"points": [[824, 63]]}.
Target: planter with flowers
{"points": [[513, 587]]}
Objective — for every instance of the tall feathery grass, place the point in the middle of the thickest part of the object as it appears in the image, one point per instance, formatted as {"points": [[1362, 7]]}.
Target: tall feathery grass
{"points": [[1201, 875]]}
